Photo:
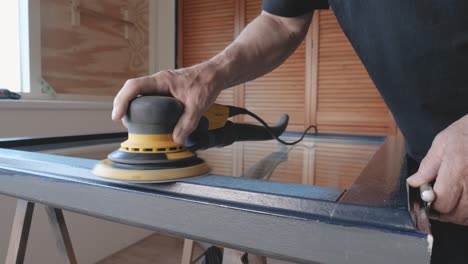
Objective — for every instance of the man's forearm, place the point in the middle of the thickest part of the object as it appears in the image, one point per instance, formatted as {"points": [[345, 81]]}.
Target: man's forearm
{"points": [[261, 47]]}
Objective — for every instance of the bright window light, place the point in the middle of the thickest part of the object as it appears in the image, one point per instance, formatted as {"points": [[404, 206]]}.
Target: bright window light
{"points": [[10, 71]]}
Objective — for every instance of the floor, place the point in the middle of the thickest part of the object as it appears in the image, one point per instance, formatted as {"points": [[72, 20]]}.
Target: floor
{"points": [[158, 248]]}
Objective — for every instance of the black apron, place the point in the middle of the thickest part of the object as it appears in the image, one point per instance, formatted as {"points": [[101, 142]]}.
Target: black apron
{"points": [[416, 52]]}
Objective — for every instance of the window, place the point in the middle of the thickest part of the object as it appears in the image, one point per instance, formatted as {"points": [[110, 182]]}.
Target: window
{"points": [[10, 70], [20, 47]]}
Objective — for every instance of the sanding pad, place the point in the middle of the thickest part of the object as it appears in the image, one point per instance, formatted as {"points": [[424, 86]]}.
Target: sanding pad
{"points": [[150, 173], [150, 167]]}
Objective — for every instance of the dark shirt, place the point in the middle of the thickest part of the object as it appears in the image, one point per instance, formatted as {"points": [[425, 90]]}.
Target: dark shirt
{"points": [[416, 53], [293, 8]]}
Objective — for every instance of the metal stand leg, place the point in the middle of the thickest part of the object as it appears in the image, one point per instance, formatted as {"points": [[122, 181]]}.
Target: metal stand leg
{"points": [[20, 232], [62, 237]]}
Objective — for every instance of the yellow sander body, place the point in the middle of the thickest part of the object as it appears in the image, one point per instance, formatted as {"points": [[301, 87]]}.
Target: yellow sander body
{"points": [[150, 158]]}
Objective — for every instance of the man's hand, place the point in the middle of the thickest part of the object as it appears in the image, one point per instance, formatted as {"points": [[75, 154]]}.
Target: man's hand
{"points": [[195, 87], [447, 163]]}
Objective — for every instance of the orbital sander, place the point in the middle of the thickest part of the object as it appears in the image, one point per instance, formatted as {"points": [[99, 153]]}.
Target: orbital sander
{"points": [[150, 154]]}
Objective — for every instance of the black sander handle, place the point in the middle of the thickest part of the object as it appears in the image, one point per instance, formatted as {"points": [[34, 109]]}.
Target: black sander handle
{"points": [[153, 114], [203, 138], [158, 115]]}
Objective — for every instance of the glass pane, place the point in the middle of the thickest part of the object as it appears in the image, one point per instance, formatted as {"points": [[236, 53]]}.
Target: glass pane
{"points": [[329, 161]]}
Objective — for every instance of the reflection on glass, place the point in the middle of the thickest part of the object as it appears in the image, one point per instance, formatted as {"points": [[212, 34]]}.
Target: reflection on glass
{"points": [[332, 163]]}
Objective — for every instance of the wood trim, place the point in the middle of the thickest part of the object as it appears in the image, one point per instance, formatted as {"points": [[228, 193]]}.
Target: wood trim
{"points": [[180, 34], [152, 37], [314, 60], [31, 48], [162, 30], [239, 91], [239, 17], [309, 163], [237, 159], [312, 166], [305, 166], [308, 76]]}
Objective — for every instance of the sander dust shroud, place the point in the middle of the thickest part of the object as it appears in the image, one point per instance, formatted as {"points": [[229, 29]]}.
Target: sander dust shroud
{"points": [[150, 154]]}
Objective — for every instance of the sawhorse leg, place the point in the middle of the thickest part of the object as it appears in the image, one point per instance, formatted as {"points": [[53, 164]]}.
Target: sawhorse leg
{"points": [[187, 252], [62, 237], [20, 232], [22, 225]]}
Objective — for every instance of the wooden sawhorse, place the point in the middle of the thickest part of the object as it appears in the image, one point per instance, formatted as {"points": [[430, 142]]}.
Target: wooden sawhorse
{"points": [[22, 224], [20, 233]]}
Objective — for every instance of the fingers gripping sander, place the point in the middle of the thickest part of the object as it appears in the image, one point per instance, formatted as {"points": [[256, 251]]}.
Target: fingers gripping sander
{"points": [[150, 154]]}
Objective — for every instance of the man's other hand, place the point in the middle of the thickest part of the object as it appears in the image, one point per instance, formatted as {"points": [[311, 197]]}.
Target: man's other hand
{"points": [[447, 164]]}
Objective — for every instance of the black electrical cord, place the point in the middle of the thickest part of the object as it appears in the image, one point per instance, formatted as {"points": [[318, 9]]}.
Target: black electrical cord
{"points": [[240, 110]]}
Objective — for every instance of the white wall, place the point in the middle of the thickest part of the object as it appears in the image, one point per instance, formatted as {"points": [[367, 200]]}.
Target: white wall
{"points": [[93, 239], [54, 118]]}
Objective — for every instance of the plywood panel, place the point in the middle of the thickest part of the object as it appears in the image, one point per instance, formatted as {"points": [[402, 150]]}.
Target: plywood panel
{"points": [[207, 28], [93, 58], [348, 102]]}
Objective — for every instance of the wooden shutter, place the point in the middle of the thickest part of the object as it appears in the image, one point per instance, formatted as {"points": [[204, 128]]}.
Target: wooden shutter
{"points": [[331, 89], [281, 91], [348, 101], [207, 28]]}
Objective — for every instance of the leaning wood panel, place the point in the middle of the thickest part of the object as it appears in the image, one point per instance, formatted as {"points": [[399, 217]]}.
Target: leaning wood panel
{"points": [[207, 28], [348, 102], [93, 58]]}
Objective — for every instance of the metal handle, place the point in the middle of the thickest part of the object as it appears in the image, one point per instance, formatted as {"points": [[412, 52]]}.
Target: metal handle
{"points": [[427, 193]]}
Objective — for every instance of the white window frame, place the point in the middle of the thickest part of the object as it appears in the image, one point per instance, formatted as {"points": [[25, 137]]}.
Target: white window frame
{"points": [[30, 48]]}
